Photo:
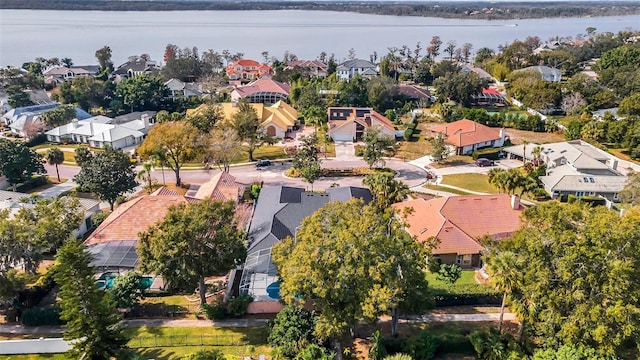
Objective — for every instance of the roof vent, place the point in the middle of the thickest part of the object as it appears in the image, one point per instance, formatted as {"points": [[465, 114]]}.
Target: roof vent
{"points": [[423, 230]]}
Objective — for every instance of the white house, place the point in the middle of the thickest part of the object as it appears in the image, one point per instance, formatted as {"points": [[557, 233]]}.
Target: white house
{"points": [[100, 131], [348, 69], [577, 168]]}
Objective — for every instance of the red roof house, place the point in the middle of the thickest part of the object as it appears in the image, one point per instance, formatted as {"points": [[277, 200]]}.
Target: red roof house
{"points": [[248, 70], [468, 136], [457, 222], [264, 90]]}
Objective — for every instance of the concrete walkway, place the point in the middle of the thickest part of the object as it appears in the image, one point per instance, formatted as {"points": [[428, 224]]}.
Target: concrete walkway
{"points": [[23, 330]]}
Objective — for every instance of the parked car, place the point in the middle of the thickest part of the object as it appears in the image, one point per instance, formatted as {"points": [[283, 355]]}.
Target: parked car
{"points": [[481, 162], [263, 163]]}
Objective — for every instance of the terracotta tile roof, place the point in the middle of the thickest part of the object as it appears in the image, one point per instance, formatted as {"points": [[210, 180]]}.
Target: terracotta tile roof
{"points": [[133, 217], [221, 187], [457, 221], [264, 84], [467, 132]]}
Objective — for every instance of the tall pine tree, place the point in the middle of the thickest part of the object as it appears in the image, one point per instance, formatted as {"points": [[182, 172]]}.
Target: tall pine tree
{"points": [[92, 321]]}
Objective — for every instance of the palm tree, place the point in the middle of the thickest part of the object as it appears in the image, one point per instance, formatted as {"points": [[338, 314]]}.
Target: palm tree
{"points": [[537, 152], [55, 157], [504, 269], [145, 175], [524, 150]]}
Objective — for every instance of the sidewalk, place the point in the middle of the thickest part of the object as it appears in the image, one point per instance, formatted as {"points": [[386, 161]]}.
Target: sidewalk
{"points": [[22, 330]]}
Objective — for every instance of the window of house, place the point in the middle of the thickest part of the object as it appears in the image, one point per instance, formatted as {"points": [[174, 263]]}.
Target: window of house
{"points": [[579, 193]]}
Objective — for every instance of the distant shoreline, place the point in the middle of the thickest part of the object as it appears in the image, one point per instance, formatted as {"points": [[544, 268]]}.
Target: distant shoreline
{"points": [[457, 10]]}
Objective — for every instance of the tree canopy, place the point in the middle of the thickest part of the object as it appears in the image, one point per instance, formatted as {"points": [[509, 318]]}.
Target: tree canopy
{"points": [[245, 122], [18, 163], [142, 92], [376, 145], [578, 283], [108, 174], [354, 264], [193, 241], [92, 321], [59, 116], [176, 141], [306, 160]]}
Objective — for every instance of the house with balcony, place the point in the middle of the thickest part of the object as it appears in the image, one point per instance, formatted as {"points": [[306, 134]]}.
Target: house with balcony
{"points": [[350, 68], [246, 70]]}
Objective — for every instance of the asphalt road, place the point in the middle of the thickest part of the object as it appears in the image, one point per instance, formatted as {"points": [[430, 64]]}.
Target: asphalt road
{"points": [[273, 175]]}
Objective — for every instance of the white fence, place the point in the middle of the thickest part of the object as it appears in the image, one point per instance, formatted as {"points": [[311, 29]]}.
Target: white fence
{"points": [[34, 346]]}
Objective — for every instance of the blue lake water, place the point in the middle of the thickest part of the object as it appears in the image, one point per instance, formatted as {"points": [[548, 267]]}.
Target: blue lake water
{"points": [[27, 34]]}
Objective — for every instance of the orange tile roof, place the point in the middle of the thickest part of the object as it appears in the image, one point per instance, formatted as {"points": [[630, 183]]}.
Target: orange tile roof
{"points": [[466, 132], [221, 187], [139, 214], [457, 221], [134, 217], [264, 84]]}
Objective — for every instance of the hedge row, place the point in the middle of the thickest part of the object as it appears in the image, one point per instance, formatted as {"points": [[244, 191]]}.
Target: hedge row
{"points": [[41, 316], [408, 133], [467, 299], [590, 200], [488, 153]]}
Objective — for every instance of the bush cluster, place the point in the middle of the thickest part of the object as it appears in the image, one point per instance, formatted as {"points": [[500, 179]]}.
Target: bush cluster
{"points": [[41, 316], [236, 307]]}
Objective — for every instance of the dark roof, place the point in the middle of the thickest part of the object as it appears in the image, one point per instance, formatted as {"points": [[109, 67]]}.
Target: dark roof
{"points": [[414, 92], [281, 209], [136, 115]]}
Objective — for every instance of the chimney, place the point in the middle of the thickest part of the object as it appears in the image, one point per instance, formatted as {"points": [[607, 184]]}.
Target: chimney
{"points": [[74, 123], [515, 202], [145, 120], [614, 166]]}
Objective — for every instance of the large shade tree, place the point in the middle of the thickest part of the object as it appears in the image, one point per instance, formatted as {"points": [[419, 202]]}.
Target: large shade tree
{"points": [[246, 124], [307, 160], [376, 145], [192, 242], [177, 142], [354, 264], [142, 92], [19, 163], [108, 174], [579, 274]]}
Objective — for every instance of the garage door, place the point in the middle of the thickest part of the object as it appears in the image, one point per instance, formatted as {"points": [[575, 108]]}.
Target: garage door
{"points": [[342, 137]]}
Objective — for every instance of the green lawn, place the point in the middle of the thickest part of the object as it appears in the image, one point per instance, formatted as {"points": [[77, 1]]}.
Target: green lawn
{"points": [[465, 285], [418, 146], [186, 340], [35, 357], [471, 181], [452, 161], [445, 189]]}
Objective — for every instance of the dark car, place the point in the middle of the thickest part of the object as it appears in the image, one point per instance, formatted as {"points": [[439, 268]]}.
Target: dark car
{"points": [[263, 163], [484, 162]]}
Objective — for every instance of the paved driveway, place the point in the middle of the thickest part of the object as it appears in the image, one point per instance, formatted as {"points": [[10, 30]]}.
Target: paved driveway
{"points": [[345, 150]]}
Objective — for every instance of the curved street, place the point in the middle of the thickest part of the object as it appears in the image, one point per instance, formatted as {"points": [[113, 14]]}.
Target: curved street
{"points": [[272, 175]]}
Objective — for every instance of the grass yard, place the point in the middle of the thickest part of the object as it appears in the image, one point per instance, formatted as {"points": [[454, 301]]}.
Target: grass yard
{"points": [[468, 278], [518, 136], [471, 181], [452, 161], [186, 340], [418, 146], [35, 357], [178, 300], [445, 189], [622, 154]]}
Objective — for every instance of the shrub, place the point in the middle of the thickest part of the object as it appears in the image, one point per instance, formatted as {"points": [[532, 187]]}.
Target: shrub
{"points": [[292, 172], [32, 184], [422, 347], [36, 140], [489, 153], [206, 355], [215, 311], [449, 273], [41, 316], [593, 200], [571, 198], [399, 356], [292, 329], [359, 150], [238, 306]]}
